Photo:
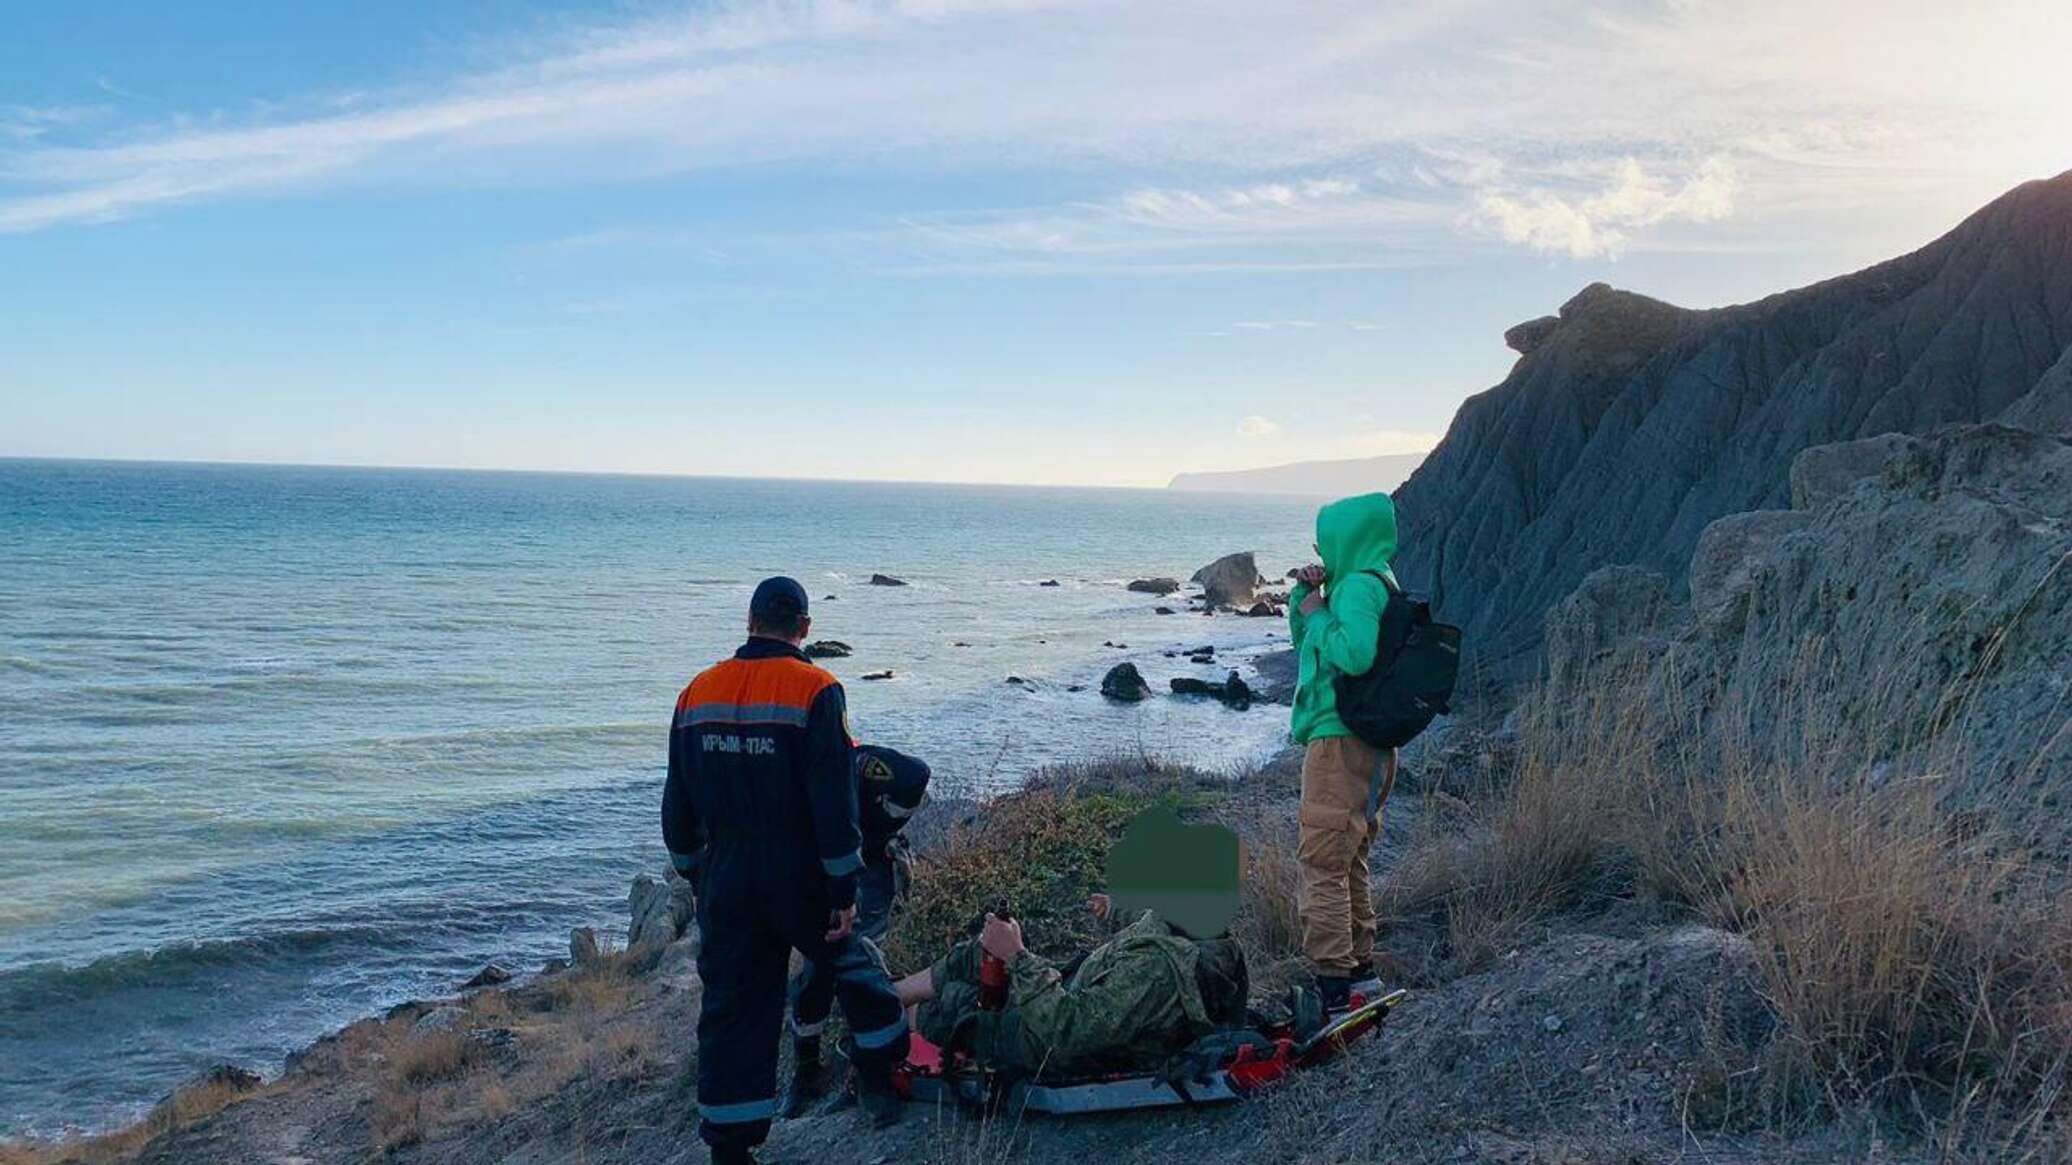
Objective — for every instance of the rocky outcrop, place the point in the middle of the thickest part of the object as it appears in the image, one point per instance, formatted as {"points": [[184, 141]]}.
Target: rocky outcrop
{"points": [[1628, 425], [2048, 407], [886, 580], [828, 649], [1923, 608], [1154, 586], [662, 910], [1527, 337], [1230, 581]]}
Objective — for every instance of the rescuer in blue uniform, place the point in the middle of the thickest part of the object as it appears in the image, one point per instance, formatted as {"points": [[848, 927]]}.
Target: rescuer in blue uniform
{"points": [[890, 785], [760, 813]]}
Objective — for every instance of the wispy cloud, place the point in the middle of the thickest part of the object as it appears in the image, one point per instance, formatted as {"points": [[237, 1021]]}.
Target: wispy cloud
{"points": [[1223, 125], [1257, 426]]}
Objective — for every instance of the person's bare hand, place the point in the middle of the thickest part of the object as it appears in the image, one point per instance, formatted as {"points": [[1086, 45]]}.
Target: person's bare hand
{"points": [[1312, 602], [1310, 576], [840, 923], [1101, 905], [1001, 938]]}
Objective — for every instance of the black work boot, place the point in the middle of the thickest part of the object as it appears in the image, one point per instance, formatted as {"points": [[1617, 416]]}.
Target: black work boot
{"points": [[809, 1077], [732, 1155], [875, 1092], [1336, 990]]}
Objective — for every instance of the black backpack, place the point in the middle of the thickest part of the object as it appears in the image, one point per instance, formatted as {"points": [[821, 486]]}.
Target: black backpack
{"points": [[1416, 662]]}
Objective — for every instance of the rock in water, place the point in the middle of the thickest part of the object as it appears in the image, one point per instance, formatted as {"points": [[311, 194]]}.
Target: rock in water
{"points": [[877, 675], [489, 976], [1162, 611], [1233, 691], [1154, 586], [828, 649], [1050, 582], [1124, 682], [1230, 581], [886, 580], [1628, 425]]}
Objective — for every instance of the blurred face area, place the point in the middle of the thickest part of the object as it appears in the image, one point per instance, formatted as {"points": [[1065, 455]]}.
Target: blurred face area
{"points": [[1186, 874]]}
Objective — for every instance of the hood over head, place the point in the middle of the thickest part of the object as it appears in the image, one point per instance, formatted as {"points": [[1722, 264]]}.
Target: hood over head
{"points": [[1356, 534]]}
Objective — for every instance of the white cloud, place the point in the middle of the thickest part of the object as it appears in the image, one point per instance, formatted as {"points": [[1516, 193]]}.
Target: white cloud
{"points": [[1602, 223], [1257, 426], [1274, 325]]}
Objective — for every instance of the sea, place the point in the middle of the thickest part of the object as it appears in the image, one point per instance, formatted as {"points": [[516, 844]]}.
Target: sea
{"points": [[283, 746]]}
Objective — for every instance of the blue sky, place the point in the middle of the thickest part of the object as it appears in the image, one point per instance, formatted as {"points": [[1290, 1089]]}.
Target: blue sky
{"points": [[1029, 240]]}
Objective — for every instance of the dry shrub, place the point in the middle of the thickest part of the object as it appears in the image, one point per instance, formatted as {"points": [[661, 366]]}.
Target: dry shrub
{"points": [[605, 986], [432, 1057], [1913, 970], [1040, 852]]}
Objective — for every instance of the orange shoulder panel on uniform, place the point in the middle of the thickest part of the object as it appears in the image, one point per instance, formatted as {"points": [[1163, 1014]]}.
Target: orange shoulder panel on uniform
{"points": [[782, 682]]}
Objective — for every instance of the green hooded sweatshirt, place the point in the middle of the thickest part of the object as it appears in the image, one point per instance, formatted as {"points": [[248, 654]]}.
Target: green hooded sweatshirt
{"points": [[1354, 535]]}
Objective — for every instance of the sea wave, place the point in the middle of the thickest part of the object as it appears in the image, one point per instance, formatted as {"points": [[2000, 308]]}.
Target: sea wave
{"points": [[32, 988]]}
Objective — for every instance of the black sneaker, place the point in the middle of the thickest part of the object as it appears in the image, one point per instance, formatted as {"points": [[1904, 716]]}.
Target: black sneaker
{"points": [[809, 1079], [732, 1155], [880, 1100]]}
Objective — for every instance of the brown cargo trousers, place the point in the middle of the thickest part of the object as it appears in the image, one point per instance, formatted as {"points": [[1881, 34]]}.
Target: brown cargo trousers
{"points": [[1336, 896]]}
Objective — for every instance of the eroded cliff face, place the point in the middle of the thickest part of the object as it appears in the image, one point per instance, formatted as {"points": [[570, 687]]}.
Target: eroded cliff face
{"points": [[1628, 425], [1910, 619]]}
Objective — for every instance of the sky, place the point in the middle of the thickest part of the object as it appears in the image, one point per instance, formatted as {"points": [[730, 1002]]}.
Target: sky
{"points": [[1047, 241]]}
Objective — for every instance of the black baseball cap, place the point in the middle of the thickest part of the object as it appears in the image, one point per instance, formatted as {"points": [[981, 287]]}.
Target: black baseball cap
{"points": [[778, 599]]}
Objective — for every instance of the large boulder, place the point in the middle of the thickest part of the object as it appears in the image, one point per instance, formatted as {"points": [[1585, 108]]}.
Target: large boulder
{"points": [[1231, 581], [1125, 683], [886, 580], [1154, 586], [1599, 624], [828, 649], [1722, 568]]}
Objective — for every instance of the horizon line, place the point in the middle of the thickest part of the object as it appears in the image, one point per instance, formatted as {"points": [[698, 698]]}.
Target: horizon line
{"points": [[208, 462]]}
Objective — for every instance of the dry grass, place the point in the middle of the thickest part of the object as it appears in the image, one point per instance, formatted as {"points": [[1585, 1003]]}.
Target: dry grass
{"points": [[1918, 959], [1268, 928]]}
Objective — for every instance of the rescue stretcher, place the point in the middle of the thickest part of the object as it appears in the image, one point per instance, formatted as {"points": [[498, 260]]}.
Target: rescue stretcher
{"points": [[928, 1077]]}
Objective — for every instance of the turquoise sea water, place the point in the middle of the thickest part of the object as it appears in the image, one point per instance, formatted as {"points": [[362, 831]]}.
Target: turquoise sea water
{"points": [[280, 746]]}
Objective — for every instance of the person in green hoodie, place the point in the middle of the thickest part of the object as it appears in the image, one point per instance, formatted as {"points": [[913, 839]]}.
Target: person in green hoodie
{"points": [[1334, 619]]}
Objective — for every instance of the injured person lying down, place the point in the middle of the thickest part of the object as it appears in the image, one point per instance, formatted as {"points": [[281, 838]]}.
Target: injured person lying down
{"points": [[1150, 991]]}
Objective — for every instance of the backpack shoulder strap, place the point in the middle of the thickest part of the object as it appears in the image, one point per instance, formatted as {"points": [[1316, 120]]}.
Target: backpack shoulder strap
{"points": [[1387, 583]]}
